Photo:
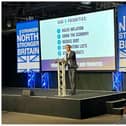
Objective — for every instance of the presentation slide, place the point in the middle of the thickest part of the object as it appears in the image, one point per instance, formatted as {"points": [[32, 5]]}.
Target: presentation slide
{"points": [[91, 36]]}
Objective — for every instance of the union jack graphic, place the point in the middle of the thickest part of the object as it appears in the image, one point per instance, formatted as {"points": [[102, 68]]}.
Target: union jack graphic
{"points": [[28, 63], [123, 53]]}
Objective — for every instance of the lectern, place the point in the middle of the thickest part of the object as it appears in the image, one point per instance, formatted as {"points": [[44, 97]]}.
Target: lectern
{"points": [[61, 78]]}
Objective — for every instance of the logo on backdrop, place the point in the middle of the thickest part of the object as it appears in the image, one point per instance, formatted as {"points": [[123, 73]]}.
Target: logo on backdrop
{"points": [[122, 37], [28, 46]]}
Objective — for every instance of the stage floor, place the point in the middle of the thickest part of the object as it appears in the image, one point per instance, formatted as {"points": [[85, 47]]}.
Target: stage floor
{"points": [[53, 93], [85, 104]]}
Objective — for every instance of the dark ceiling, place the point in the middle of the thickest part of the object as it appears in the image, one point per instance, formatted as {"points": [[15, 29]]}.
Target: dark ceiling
{"points": [[13, 12]]}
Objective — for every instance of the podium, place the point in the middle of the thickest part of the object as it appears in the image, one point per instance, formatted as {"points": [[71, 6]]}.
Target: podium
{"points": [[61, 78]]}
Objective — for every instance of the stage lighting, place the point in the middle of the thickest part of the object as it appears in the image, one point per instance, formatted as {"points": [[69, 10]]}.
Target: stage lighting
{"points": [[9, 25], [31, 79], [86, 2], [45, 80], [117, 81]]}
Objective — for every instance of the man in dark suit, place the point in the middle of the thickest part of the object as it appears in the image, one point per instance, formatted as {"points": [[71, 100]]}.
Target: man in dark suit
{"points": [[72, 66]]}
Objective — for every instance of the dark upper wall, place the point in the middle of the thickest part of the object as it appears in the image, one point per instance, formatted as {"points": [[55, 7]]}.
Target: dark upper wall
{"points": [[9, 75]]}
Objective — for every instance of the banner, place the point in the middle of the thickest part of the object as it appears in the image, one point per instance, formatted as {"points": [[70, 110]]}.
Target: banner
{"points": [[122, 37], [28, 46]]}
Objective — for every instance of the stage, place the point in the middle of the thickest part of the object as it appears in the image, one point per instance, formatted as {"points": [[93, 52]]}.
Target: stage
{"points": [[85, 104]]}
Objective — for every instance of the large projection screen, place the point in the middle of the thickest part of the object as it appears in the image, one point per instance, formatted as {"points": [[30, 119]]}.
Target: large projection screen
{"points": [[91, 36]]}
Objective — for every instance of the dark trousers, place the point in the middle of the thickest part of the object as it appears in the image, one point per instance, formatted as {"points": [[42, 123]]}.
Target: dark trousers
{"points": [[72, 80]]}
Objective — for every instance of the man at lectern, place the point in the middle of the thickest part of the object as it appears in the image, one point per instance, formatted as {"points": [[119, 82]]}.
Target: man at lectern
{"points": [[72, 66]]}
